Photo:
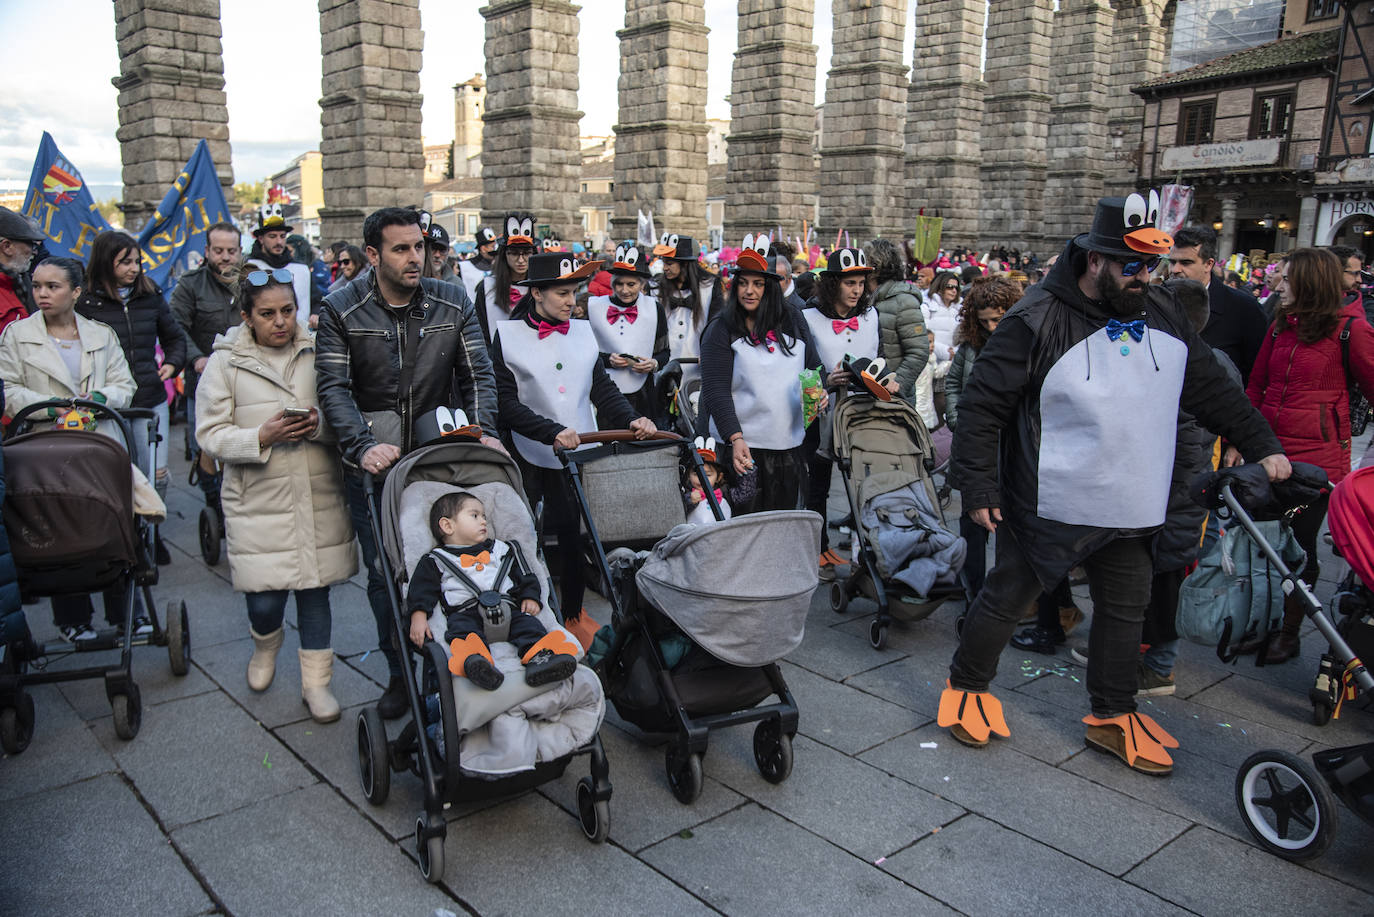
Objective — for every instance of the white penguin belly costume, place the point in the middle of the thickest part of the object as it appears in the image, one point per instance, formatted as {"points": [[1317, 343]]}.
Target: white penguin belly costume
{"points": [[625, 336], [766, 390], [856, 342], [554, 378]]}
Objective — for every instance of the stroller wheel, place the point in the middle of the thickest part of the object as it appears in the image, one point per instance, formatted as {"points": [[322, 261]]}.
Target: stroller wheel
{"points": [[209, 536], [16, 725], [374, 765], [595, 816], [772, 751], [877, 634], [178, 638], [429, 851], [1321, 712], [959, 625], [1288, 808], [128, 713], [839, 599], [684, 774]]}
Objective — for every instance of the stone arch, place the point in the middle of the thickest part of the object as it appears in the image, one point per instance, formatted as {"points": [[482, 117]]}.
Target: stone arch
{"points": [[1137, 55]]}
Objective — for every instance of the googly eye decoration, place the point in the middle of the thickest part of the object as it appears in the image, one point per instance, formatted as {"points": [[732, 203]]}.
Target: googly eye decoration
{"points": [[1152, 217], [672, 241], [565, 267], [631, 256], [512, 225], [663, 239], [748, 241], [847, 262], [863, 259], [444, 418], [699, 443], [487, 235], [269, 212], [526, 227], [425, 219], [1134, 213], [620, 255], [460, 418], [761, 243]]}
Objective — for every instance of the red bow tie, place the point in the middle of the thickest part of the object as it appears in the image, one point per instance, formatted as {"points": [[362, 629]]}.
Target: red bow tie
{"points": [[719, 496], [545, 329], [477, 560], [515, 295], [840, 324], [770, 336], [615, 314]]}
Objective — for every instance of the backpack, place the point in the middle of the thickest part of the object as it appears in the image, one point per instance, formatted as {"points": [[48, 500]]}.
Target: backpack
{"points": [[1359, 405], [1235, 594]]}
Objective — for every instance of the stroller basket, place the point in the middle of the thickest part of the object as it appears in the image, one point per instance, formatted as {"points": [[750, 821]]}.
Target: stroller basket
{"points": [[632, 494]]}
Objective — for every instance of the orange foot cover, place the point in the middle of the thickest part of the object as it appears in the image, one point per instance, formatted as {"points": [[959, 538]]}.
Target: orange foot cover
{"points": [[979, 713], [1142, 737]]}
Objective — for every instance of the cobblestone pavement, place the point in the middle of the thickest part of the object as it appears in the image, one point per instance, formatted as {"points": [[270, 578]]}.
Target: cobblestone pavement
{"points": [[236, 803]]}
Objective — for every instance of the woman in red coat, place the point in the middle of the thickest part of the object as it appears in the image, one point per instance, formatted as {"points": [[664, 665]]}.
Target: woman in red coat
{"points": [[1299, 385]]}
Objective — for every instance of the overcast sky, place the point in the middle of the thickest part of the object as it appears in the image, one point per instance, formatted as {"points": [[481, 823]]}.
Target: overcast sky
{"points": [[61, 55]]}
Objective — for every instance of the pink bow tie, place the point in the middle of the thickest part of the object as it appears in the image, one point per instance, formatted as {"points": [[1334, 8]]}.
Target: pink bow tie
{"points": [[720, 497], [515, 295], [545, 329], [770, 336], [615, 314], [840, 324]]}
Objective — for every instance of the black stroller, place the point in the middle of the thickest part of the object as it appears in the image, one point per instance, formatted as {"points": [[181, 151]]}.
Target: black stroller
{"points": [[725, 641], [69, 512], [415, 482], [1290, 810], [679, 392]]}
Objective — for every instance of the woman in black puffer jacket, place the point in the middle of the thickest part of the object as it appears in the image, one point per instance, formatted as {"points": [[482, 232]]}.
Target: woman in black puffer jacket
{"points": [[120, 295]]}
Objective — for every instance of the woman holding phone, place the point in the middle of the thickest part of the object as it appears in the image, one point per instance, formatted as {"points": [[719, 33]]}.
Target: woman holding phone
{"points": [[284, 512]]}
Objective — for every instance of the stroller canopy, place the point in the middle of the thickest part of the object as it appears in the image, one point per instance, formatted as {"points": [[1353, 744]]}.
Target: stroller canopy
{"points": [[1349, 516]]}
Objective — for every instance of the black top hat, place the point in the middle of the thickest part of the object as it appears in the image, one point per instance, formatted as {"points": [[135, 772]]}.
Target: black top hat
{"points": [[555, 268], [484, 236], [270, 217], [753, 257], [445, 425], [1126, 227], [848, 262], [677, 248], [629, 261], [519, 230]]}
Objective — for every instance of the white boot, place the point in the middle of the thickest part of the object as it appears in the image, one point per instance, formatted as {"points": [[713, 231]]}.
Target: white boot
{"points": [[317, 669], [263, 665]]}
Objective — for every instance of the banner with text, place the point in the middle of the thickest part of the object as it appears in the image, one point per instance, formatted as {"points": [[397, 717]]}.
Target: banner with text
{"points": [[177, 228], [60, 203]]}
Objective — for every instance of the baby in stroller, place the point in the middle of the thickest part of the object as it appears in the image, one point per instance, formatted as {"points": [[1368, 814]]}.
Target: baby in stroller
{"points": [[694, 489], [474, 583]]}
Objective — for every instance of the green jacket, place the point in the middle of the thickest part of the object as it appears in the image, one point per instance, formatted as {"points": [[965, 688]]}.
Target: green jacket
{"points": [[960, 368], [902, 333]]}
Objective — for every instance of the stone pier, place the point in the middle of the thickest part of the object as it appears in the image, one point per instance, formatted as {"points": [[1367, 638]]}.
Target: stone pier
{"points": [[943, 128], [373, 154], [1077, 141], [772, 119], [531, 156], [1015, 124], [1139, 38], [171, 95], [661, 134], [862, 184]]}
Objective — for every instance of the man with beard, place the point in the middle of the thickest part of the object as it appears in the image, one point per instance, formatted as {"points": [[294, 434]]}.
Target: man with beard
{"points": [[18, 241], [1065, 447], [270, 250]]}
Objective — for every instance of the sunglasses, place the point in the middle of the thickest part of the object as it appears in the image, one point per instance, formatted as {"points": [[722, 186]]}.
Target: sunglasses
{"points": [[1131, 268], [344, 261], [262, 278]]}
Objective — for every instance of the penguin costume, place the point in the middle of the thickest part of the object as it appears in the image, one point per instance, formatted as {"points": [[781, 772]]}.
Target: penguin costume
{"points": [[496, 296], [549, 377], [630, 328], [689, 295], [479, 266], [1066, 437]]}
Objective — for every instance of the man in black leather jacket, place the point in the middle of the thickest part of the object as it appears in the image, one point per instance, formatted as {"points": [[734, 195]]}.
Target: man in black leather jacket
{"points": [[389, 348]]}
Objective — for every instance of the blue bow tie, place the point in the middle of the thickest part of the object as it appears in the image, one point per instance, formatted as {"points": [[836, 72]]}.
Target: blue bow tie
{"points": [[1117, 330]]}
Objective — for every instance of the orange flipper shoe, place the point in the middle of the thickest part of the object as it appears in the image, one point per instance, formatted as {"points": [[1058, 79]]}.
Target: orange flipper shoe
{"points": [[472, 660], [1134, 738], [584, 628], [971, 716]]}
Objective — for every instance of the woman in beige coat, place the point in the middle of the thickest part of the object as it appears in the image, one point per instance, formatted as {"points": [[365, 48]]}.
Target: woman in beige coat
{"points": [[284, 513]]}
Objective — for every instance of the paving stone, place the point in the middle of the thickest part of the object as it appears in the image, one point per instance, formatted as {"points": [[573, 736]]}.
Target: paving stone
{"points": [[1058, 808], [735, 862], [62, 750], [305, 853], [841, 716], [1212, 874], [643, 808], [958, 866], [490, 856], [835, 655], [353, 629], [68, 848], [1285, 709], [281, 703], [855, 806], [203, 756], [152, 674], [929, 646]]}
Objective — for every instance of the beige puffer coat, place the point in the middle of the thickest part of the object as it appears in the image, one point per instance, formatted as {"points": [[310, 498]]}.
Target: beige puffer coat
{"points": [[284, 512]]}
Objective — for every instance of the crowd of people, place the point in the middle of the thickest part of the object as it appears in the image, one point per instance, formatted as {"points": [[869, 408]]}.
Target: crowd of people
{"points": [[1071, 448]]}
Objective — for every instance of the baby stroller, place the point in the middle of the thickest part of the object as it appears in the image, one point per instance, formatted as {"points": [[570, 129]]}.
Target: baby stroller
{"points": [[1290, 810], [69, 512], [885, 455], [680, 392], [477, 762], [210, 524], [684, 661], [1352, 536]]}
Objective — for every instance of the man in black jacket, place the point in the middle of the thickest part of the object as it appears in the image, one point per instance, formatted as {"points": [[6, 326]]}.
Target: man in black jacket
{"points": [[1237, 323], [1066, 436], [390, 348]]}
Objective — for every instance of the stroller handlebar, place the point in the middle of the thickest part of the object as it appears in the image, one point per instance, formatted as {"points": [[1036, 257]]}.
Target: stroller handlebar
{"points": [[98, 410], [621, 436]]}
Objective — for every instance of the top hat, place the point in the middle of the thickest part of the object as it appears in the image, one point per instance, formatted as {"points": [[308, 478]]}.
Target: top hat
{"points": [[629, 261], [676, 247], [484, 236], [557, 268], [847, 261], [1126, 227], [752, 257], [519, 230], [270, 217], [445, 425]]}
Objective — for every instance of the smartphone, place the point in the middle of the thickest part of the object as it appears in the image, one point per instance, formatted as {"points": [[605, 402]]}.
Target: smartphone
{"points": [[631, 357], [296, 412]]}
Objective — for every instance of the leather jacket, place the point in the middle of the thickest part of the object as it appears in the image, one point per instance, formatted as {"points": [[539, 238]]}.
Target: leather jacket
{"points": [[359, 351]]}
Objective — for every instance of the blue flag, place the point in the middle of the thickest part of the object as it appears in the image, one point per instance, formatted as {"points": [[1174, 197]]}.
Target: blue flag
{"points": [[59, 201], [177, 228]]}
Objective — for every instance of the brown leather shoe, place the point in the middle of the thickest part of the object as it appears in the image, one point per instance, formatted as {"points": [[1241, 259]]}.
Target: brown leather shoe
{"points": [[1282, 648]]}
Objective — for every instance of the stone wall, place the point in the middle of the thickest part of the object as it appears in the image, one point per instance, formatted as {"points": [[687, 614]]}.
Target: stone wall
{"points": [[661, 137], [171, 95], [772, 119], [369, 111], [1140, 38], [531, 156], [862, 183], [943, 120]]}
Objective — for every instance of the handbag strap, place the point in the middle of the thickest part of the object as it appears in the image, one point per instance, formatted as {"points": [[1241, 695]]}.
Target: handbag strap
{"points": [[1345, 350]]}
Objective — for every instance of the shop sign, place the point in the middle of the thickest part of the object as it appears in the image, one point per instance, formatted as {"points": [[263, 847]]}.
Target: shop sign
{"points": [[1223, 155]]}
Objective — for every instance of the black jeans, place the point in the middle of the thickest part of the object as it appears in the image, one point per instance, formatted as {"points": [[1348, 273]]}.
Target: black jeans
{"points": [[782, 480], [818, 473], [1119, 581], [1048, 605], [376, 584], [976, 560], [71, 610], [1306, 527], [563, 520]]}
